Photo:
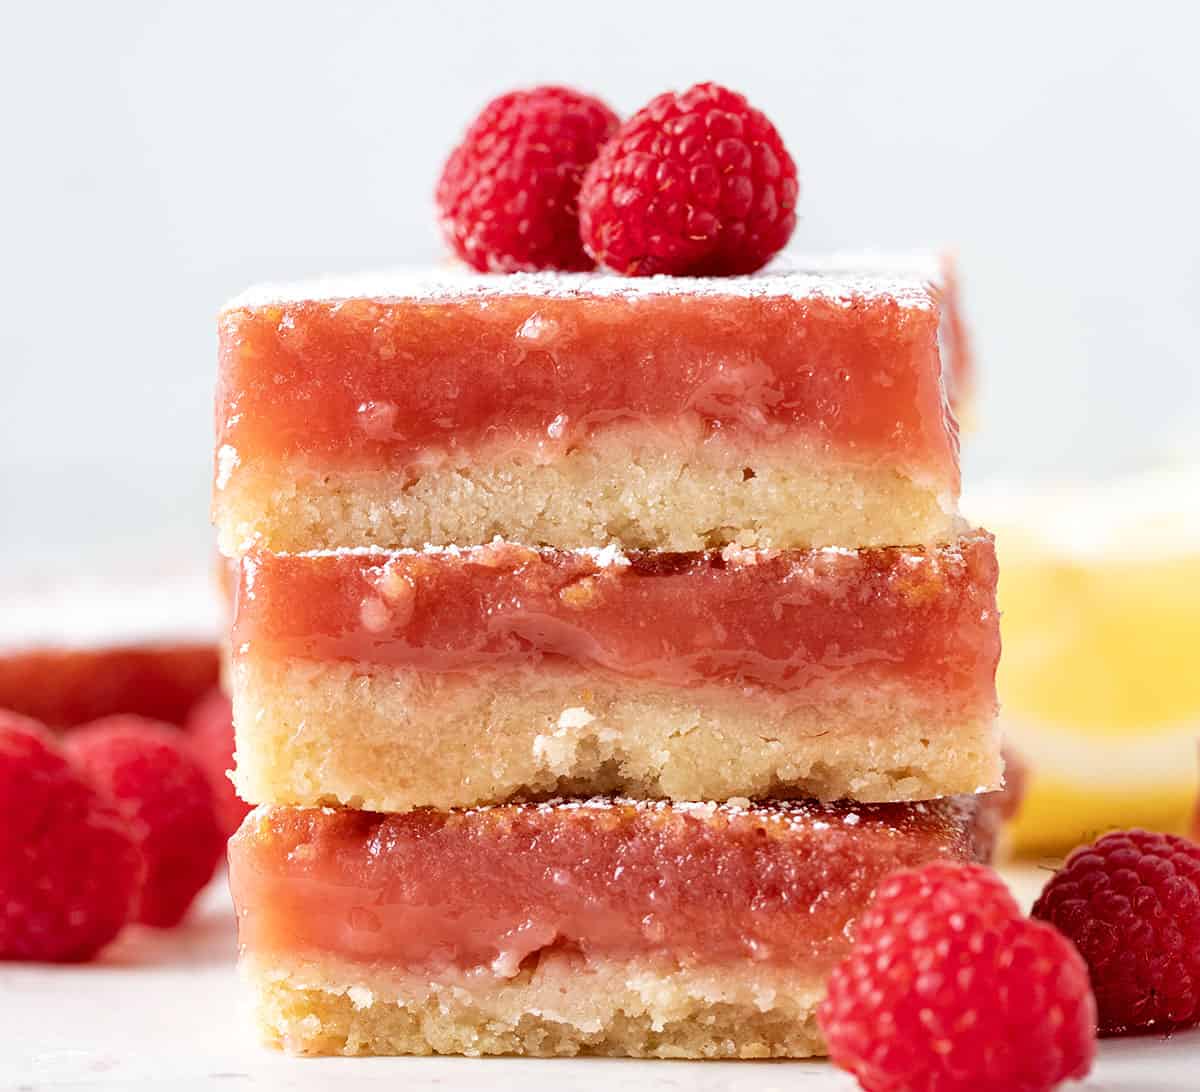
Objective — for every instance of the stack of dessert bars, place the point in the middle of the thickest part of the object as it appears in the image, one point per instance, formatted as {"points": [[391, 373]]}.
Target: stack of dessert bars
{"points": [[599, 645]]}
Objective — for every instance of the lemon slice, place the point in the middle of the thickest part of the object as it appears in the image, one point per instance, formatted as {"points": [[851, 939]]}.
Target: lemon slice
{"points": [[1100, 674]]}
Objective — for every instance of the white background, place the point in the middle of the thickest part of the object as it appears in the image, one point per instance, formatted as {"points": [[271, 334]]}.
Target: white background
{"points": [[157, 157]]}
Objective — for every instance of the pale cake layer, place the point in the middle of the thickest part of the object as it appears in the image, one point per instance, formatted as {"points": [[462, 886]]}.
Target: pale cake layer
{"points": [[390, 739], [622, 488], [562, 1005]]}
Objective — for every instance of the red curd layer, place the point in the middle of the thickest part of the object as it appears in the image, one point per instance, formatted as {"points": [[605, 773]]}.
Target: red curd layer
{"points": [[390, 377], [63, 687], [787, 620], [431, 891]]}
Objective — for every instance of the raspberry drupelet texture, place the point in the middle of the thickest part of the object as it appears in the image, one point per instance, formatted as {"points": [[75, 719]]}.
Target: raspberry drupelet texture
{"points": [[508, 194], [696, 183], [209, 729], [70, 867], [1130, 902], [942, 888], [949, 989], [165, 794]]}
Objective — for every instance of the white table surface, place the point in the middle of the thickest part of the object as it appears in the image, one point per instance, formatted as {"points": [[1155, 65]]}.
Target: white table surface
{"points": [[167, 1010]]}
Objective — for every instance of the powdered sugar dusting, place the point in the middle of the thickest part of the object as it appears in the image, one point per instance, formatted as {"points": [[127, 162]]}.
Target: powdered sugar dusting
{"points": [[838, 278], [606, 556], [808, 813], [603, 557], [925, 265], [227, 462]]}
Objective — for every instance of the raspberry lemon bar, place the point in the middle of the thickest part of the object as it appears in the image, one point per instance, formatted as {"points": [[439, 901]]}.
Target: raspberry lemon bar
{"points": [[63, 687], [783, 409], [449, 677], [601, 925]]}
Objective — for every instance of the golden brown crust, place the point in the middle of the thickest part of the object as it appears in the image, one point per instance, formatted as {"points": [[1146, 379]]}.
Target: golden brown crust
{"points": [[613, 491], [560, 1007]]}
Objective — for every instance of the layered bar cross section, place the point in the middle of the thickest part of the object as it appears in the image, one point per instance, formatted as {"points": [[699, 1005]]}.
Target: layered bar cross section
{"points": [[451, 677], [590, 926], [785, 409]]}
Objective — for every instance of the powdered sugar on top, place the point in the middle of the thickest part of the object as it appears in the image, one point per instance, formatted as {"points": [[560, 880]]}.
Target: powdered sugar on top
{"points": [[925, 265], [815, 814], [842, 278], [602, 557], [605, 557]]}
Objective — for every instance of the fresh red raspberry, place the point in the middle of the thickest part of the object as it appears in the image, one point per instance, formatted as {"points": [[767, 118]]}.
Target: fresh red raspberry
{"points": [[146, 767], [941, 889], [694, 183], [70, 867], [958, 997], [209, 729], [1131, 904], [508, 197]]}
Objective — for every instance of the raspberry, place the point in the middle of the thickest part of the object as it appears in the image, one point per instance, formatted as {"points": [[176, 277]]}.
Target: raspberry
{"points": [[209, 729], [1131, 904], [959, 994], [70, 867], [694, 183], [941, 888], [508, 197], [164, 792]]}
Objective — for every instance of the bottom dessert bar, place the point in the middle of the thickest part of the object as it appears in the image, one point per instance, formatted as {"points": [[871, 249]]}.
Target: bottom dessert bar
{"points": [[596, 926]]}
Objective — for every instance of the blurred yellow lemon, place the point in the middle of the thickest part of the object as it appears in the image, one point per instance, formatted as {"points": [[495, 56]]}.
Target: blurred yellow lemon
{"points": [[1100, 675]]}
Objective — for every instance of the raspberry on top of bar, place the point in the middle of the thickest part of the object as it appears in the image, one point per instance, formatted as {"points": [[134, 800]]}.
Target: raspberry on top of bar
{"points": [[781, 409]]}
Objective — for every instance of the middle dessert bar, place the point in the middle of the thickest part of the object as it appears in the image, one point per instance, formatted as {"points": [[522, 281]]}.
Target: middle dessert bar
{"points": [[449, 677]]}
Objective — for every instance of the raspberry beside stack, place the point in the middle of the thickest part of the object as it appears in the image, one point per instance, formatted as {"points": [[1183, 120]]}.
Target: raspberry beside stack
{"points": [[563, 535]]}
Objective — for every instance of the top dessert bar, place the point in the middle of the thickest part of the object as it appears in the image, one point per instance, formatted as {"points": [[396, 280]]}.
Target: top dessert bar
{"points": [[785, 409]]}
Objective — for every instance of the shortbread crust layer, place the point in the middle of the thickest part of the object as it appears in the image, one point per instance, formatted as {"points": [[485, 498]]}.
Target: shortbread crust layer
{"points": [[617, 490], [560, 1006], [390, 739]]}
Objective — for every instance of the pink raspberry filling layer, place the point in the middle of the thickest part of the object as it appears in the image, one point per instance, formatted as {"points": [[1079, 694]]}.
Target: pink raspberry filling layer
{"points": [[699, 884], [790, 620], [407, 371]]}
